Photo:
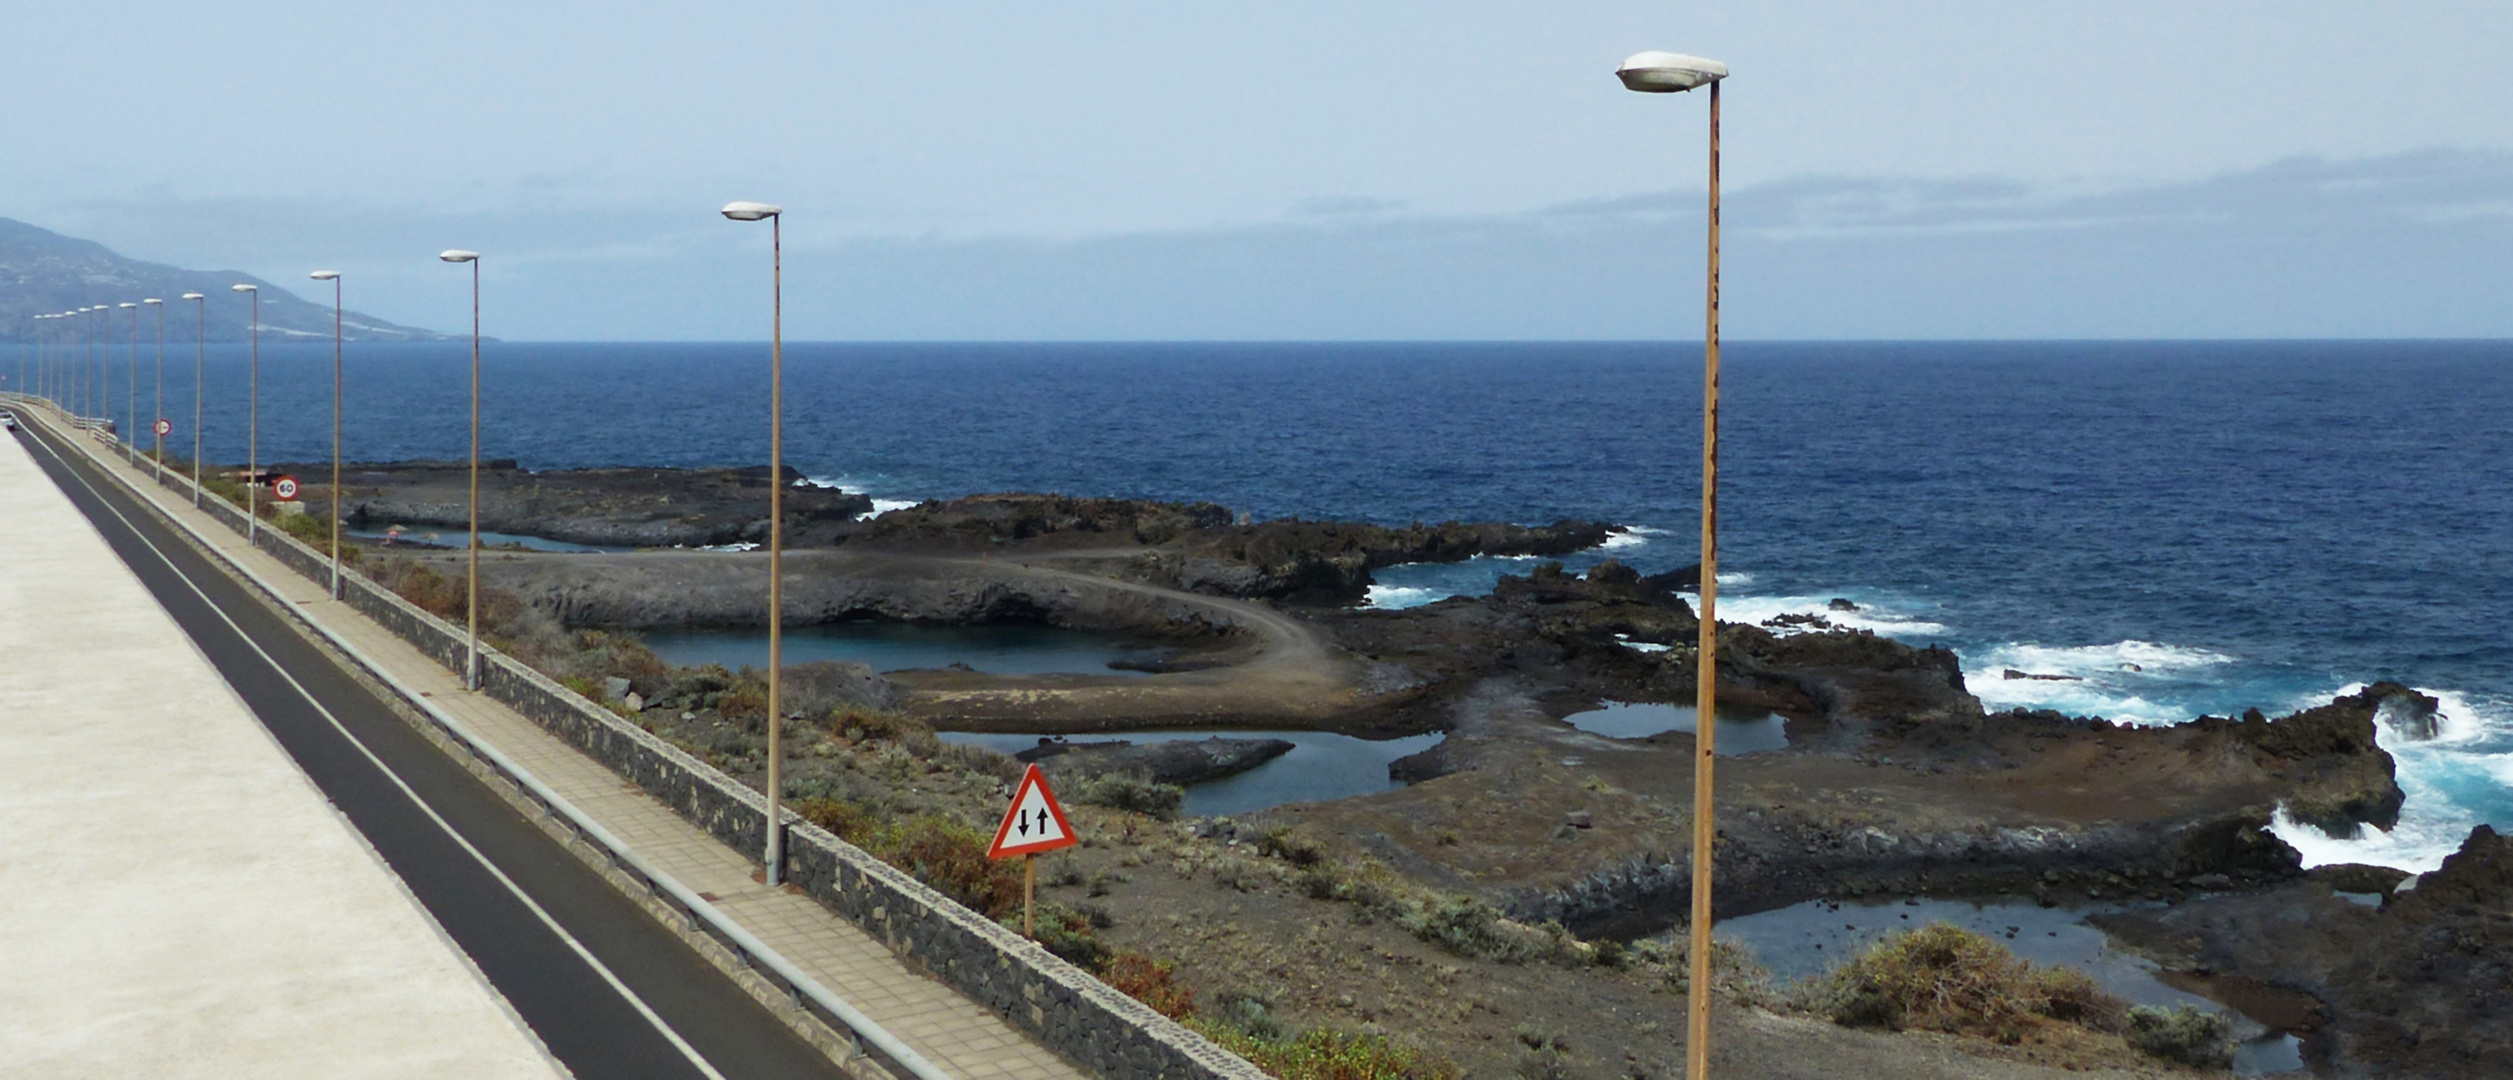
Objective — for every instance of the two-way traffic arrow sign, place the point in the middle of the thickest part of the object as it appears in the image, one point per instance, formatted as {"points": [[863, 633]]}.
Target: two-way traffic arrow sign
{"points": [[1034, 823]]}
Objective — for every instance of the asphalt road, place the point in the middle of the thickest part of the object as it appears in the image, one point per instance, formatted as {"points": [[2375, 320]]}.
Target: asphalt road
{"points": [[608, 989]]}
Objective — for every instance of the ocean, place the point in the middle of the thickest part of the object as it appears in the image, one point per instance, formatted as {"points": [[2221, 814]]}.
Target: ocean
{"points": [[2188, 527]]}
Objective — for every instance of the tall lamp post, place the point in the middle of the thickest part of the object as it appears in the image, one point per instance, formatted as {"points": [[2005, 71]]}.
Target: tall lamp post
{"points": [[200, 352], [471, 603], [157, 415], [333, 276], [1675, 73], [774, 859], [131, 401], [253, 425]]}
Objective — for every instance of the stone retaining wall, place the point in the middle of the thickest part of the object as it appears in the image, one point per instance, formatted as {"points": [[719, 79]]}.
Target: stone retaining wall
{"points": [[1065, 1008]]}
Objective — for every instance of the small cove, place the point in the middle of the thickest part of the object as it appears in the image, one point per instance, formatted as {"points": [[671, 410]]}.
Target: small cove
{"points": [[451, 538], [993, 648], [1743, 732], [1321, 765], [1807, 939]]}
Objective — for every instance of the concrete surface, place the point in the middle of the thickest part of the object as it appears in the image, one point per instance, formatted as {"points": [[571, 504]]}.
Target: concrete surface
{"points": [[176, 898]]}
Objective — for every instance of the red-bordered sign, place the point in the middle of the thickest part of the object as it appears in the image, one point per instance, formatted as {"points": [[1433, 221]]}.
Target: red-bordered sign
{"points": [[284, 489], [165, 426], [1034, 824]]}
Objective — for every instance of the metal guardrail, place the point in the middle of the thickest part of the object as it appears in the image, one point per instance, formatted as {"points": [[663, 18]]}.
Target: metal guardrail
{"points": [[808, 993]]}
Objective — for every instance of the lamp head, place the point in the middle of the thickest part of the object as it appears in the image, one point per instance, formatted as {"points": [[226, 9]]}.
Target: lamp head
{"points": [[752, 211], [325, 275], [459, 256], [192, 296], [1668, 73], [245, 288], [127, 304], [152, 300]]}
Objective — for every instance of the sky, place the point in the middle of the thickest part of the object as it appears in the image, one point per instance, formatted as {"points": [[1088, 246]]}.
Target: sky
{"points": [[1297, 170]]}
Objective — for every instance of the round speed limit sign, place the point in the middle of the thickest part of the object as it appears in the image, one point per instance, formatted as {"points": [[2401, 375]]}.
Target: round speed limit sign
{"points": [[284, 489], [165, 426]]}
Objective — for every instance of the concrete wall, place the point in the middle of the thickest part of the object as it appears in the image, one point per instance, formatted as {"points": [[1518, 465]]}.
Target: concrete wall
{"points": [[1065, 1008]]}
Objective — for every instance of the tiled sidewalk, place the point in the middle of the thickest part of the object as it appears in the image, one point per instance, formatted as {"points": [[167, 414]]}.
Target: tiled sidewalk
{"points": [[954, 1033]]}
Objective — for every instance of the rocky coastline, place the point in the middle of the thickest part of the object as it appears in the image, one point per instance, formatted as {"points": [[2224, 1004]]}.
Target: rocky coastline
{"points": [[1895, 781]]}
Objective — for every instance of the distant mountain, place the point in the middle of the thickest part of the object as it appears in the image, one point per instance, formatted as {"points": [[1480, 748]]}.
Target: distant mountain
{"points": [[43, 272]]}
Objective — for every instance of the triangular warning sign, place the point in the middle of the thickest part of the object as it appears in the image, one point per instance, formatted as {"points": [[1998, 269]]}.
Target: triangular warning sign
{"points": [[1034, 824]]}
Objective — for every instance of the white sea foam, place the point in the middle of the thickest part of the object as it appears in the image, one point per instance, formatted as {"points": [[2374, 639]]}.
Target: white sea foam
{"points": [[2112, 681], [1881, 619], [2450, 787], [1392, 597], [745, 545], [1641, 646], [1627, 537]]}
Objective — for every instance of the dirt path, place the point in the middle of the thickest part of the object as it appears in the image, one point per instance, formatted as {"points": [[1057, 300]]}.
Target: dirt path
{"points": [[1269, 669], [1283, 673]]}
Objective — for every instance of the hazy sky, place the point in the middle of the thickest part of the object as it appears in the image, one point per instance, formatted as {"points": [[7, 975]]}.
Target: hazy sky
{"points": [[1293, 169]]}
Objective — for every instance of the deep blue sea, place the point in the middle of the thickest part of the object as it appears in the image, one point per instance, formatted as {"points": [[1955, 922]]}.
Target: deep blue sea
{"points": [[2248, 523]]}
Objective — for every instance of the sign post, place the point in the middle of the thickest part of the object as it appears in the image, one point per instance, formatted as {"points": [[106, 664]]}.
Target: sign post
{"points": [[1033, 824]]}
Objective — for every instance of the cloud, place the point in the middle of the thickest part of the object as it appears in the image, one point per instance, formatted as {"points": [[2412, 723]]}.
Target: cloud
{"points": [[2402, 245]]}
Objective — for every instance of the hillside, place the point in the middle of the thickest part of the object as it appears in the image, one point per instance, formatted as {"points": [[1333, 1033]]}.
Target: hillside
{"points": [[42, 272]]}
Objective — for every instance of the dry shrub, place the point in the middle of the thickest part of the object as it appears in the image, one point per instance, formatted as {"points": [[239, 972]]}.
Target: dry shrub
{"points": [[849, 821], [1150, 981], [951, 857], [1118, 791], [1944, 978], [1330, 1054]]}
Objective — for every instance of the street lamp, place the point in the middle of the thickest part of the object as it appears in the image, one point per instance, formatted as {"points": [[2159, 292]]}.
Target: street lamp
{"points": [[158, 415], [775, 215], [131, 401], [200, 351], [253, 425], [471, 605], [333, 276], [1675, 73]]}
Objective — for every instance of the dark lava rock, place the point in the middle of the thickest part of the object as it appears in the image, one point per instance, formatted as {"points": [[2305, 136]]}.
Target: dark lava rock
{"points": [[2420, 988], [1840, 604], [624, 507], [1199, 548], [1177, 761], [2347, 780], [816, 688], [2408, 712], [2359, 878]]}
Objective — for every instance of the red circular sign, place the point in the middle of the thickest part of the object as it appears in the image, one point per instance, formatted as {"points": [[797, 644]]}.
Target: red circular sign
{"points": [[284, 489], [165, 426]]}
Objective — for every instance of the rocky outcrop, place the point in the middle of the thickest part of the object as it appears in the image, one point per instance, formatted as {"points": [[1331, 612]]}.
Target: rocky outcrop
{"points": [[2342, 778], [1329, 562], [1174, 761], [2421, 987], [978, 522], [611, 507], [1197, 547]]}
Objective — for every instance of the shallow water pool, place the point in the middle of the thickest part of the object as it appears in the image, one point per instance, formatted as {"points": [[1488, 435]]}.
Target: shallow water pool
{"points": [[1321, 765], [1740, 733], [994, 648], [1810, 938]]}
